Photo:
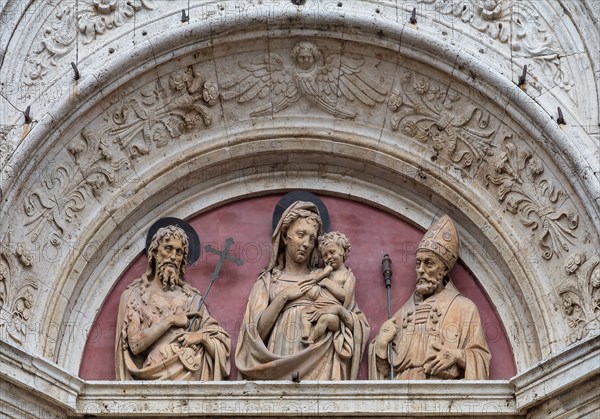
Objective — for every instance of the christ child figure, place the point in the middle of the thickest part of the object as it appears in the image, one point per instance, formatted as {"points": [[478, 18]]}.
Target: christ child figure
{"points": [[331, 289]]}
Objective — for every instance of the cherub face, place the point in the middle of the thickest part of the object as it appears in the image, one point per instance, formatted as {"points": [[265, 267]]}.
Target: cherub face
{"points": [[333, 255], [305, 59]]}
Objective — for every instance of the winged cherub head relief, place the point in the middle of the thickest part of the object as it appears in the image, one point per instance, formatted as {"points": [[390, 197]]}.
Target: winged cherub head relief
{"points": [[332, 82], [305, 55]]}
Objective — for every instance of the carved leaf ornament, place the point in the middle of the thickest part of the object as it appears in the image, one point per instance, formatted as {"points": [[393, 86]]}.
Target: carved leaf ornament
{"points": [[16, 295], [137, 122], [580, 297], [512, 22], [435, 114], [85, 19], [535, 200]]}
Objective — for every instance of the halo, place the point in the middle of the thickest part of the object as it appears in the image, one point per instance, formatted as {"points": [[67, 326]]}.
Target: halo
{"points": [[193, 239], [300, 195]]}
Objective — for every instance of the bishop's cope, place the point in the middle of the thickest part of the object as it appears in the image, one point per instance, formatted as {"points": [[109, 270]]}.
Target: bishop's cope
{"points": [[163, 332], [437, 334]]}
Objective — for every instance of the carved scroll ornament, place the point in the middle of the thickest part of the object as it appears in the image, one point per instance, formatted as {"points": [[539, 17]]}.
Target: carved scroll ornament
{"points": [[516, 23], [137, 123], [437, 115], [70, 21], [580, 296], [17, 295], [534, 199]]}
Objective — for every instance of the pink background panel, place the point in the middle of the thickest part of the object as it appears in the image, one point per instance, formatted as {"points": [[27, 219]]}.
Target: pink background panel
{"points": [[372, 233]]}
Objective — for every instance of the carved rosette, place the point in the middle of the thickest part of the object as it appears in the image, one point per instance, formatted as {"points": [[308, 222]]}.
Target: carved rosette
{"points": [[517, 24], [137, 123], [439, 116], [537, 202], [580, 296]]}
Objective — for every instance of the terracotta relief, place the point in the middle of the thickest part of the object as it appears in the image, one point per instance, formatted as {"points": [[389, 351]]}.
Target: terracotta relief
{"points": [[321, 80], [437, 334], [301, 319], [162, 331]]}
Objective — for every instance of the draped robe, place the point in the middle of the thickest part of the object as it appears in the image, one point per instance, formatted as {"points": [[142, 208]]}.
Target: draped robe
{"points": [[166, 359], [334, 356], [447, 318]]}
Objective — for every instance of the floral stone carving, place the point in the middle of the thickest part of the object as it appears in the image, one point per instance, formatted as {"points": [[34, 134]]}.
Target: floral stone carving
{"points": [[16, 294], [580, 297], [88, 19], [137, 122], [516, 23], [435, 114], [534, 199]]}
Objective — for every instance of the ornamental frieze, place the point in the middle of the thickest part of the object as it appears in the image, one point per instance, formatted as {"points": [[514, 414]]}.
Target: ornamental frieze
{"points": [[140, 121], [535, 199], [450, 124], [517, 24], [273, 83], [72, 22]]}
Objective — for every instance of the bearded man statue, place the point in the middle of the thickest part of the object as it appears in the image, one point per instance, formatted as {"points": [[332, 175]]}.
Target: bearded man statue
{"points": [[437, 334], [162, 332]]}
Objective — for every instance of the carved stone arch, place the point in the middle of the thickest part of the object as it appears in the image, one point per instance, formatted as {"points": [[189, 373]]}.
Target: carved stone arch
{"points": [[519, 203], [94, 166], [380, 179]]}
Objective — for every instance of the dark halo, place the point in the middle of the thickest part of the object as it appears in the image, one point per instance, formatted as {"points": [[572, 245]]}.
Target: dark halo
{"points": [[193, 239], [299, 195]]}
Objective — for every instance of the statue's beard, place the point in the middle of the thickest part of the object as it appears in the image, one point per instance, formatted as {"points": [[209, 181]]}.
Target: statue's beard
{"points": [[168, 275], [426, 286]]}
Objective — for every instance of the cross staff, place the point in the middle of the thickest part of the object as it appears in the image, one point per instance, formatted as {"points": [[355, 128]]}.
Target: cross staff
{"points": [[223, 256]]}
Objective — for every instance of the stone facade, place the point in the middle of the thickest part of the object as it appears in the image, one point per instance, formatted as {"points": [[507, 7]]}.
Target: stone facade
{"points": [[116, 113]]}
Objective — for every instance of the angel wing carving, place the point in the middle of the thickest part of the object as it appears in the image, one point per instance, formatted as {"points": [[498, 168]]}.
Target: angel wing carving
{"points": [[322, 81]]}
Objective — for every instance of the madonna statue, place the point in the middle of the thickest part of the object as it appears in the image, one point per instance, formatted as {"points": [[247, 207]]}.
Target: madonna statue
{"points": [[270, 344]]}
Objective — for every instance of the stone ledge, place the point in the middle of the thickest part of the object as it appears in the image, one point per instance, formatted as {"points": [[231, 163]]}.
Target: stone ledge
{"points": [[307, 398], [28, 378], [558, 374]]}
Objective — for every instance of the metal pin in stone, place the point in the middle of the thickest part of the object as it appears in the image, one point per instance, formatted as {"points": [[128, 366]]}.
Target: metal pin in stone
{"points": [[296, 377], [523, 76], [413, 16], [561, 119], [26, 114], [76, 70], [184, 16]]}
